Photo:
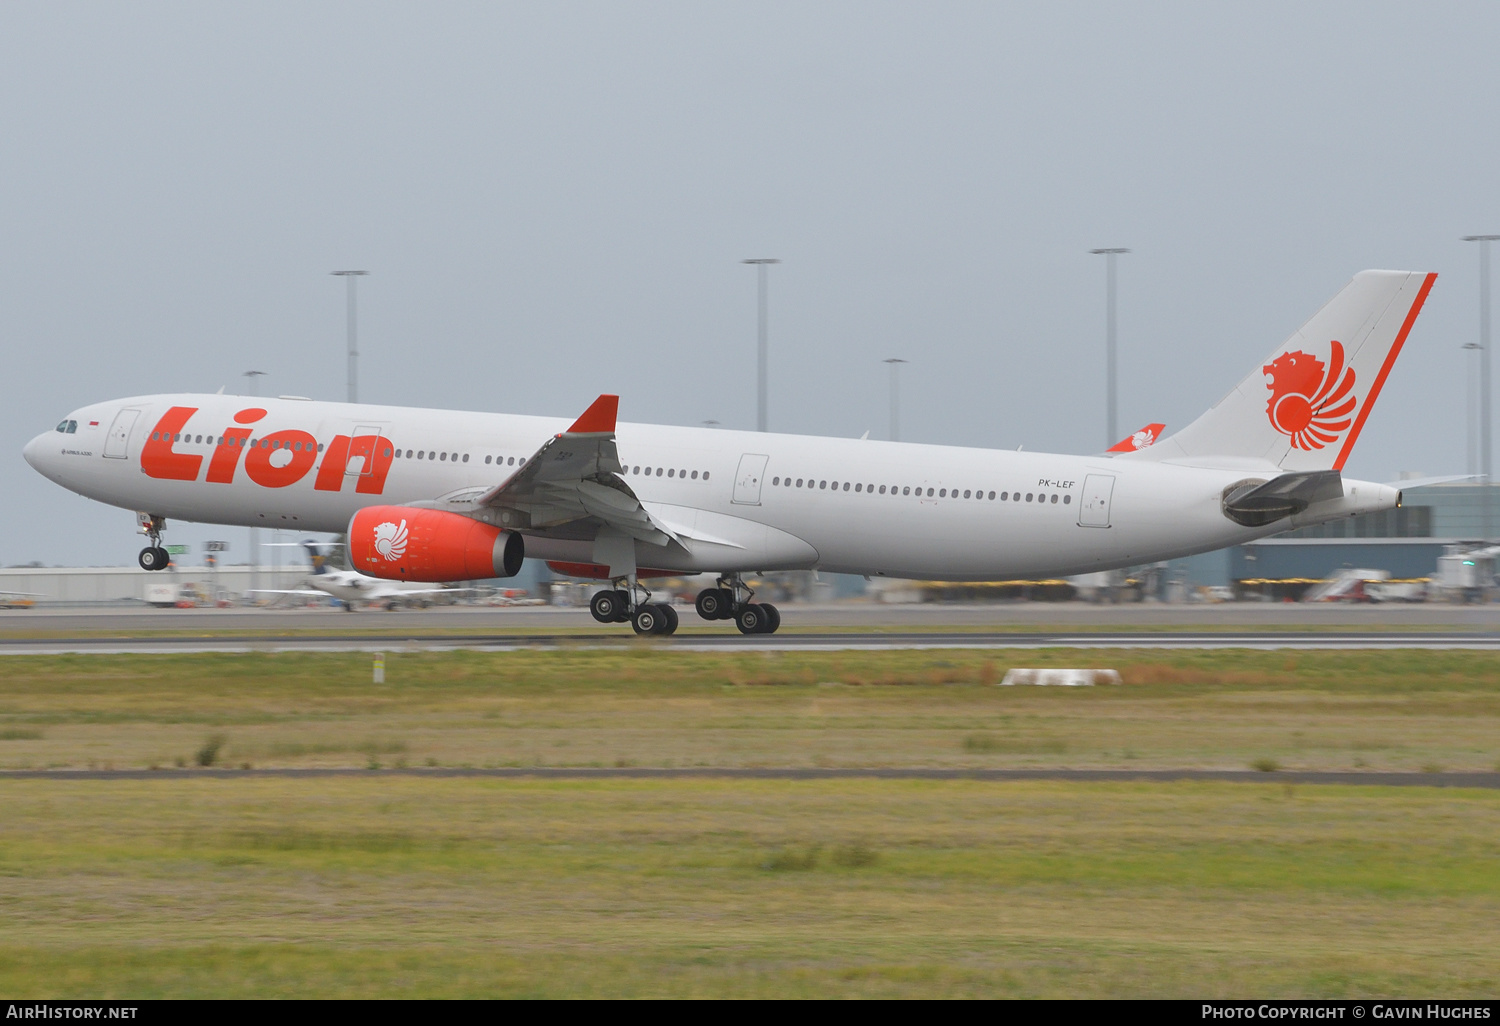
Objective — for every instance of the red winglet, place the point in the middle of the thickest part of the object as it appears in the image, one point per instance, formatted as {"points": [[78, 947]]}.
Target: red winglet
{"points": [[598, 418]]}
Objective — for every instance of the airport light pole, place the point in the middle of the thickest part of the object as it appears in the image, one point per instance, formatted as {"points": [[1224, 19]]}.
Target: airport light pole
{"points": [[250, 376], [895, 365], [1485, 440], [762, 264], [352, 322], [1111, 432], [1471, 388]]}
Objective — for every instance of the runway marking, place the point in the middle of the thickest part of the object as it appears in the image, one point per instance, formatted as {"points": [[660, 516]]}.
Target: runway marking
{"points": [[1480, 779]]}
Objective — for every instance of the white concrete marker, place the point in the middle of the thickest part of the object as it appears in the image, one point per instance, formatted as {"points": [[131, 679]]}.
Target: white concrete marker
{"points": [[1062, 678]]}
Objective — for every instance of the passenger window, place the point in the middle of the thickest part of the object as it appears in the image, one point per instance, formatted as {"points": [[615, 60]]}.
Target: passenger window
{"points": [[966, 493], [992, 495], [671, 473], [882, 489], [943, 494], [466, 455], [695, 475], [443, 457], [421, 455], [635, 470], [906, 491], [705, 475], [774, 480], [682, 473], [859, 488], [487, 460], [658, 471], [1028, 496], [1054, 500], [1067, 499], [799, 482]]}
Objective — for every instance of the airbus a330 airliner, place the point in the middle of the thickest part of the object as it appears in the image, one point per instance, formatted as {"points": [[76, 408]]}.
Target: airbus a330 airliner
{"points": [[434, 495]]}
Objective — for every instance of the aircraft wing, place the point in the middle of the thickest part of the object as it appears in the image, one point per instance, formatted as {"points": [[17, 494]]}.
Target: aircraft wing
{"points": [[575, 478]]}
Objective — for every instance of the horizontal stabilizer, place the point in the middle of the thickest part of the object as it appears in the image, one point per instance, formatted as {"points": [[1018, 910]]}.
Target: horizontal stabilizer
{"points": [[1256, 504]]}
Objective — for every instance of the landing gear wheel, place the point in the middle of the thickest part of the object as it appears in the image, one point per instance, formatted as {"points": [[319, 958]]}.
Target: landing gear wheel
{"points": [[670, 626], [153, 557], [608, 606], [751, 619], [773, 618], [649, 620], [715, 604]]}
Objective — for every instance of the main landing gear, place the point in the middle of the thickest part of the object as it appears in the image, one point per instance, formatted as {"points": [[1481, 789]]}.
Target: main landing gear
{"points": [[153, 556], [644, 617], [731, 601]]}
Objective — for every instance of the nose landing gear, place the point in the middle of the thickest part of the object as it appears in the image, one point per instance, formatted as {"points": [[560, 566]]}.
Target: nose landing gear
{"points": [[153, 556]]}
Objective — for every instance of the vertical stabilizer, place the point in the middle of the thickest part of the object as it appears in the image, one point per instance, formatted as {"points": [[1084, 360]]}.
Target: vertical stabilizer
{"points": [[1304, 407]]}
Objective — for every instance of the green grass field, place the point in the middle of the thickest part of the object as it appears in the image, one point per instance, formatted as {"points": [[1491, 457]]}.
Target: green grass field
{"points": [[413, 886], [1408, 710], [420, 887]]}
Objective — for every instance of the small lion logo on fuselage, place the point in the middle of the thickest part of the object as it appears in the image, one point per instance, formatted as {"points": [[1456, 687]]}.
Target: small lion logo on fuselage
{"points": [[390, 540], [1307, 405]]}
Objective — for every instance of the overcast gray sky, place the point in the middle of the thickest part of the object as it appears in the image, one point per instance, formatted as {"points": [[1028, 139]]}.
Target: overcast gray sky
{"points": [[553, 200]]}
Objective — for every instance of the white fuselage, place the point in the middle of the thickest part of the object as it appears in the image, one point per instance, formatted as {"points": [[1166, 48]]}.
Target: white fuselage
{"points": [[852, 506]]}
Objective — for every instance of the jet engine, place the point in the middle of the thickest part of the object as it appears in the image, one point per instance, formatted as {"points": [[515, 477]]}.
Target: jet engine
{"points": [[405, 543]]}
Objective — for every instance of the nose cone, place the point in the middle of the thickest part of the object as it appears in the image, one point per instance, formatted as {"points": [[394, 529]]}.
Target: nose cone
{"points": [[33, 451]]}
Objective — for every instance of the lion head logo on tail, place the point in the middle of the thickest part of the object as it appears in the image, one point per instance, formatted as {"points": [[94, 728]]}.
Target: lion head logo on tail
{"points": [[1308, 405]]}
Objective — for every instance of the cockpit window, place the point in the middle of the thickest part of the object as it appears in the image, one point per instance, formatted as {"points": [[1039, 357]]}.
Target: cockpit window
{"points": [[68, 427]]}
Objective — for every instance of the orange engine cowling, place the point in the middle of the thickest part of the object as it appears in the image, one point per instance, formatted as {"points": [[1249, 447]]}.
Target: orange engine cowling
{"points": [[404, 543]]}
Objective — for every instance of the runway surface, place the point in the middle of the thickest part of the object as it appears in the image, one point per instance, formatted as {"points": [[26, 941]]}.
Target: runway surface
{"points": [[784, 642], [1455, 779], [138, 629]]}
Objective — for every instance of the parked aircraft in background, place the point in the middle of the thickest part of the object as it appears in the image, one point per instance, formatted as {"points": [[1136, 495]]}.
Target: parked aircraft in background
{"points": [[437, 495], [353, 588], [1139, 440]]}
